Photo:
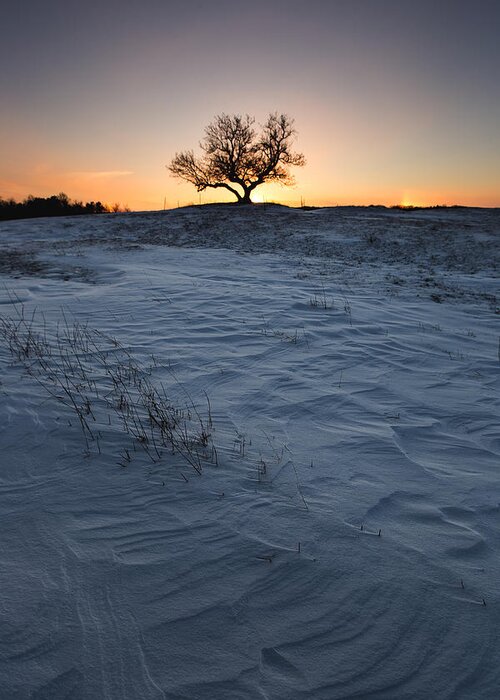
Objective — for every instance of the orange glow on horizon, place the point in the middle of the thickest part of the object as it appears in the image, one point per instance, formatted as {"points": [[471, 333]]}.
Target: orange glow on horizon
{"points": [[361, 169], [407, 202], [153, 191], [387, 105]]}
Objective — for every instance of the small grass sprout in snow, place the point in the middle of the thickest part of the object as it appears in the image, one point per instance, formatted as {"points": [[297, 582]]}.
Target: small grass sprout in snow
{"points": [[348, 310], [293, 337], [320, 300]]}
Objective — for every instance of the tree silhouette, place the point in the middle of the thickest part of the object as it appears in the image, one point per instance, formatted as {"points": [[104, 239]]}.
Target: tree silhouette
{"points": [[238, 159]]}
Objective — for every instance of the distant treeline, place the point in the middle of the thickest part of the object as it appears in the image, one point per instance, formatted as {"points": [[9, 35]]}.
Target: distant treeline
{"points": [[56, 205], [418, 207]]}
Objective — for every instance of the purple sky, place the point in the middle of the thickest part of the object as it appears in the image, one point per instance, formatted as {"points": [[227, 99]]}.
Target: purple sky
{"points": [[393, 101]]}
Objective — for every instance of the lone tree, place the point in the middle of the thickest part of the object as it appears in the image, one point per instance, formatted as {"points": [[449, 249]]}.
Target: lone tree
{"points": [[237, 158]]}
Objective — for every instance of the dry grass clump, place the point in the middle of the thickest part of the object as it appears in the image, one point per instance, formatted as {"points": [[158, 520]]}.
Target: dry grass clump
{"points": [[95, 376]]}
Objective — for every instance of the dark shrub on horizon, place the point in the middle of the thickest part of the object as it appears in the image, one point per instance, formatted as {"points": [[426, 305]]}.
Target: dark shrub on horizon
{"points": [[56, 205]]}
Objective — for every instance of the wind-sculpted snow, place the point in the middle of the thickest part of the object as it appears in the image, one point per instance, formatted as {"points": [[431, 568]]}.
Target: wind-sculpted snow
{"points": [[462, 240], [344, 543]]}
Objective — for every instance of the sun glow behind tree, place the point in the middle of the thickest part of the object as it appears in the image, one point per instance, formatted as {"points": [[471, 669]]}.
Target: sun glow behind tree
{"points": [[237, 158], [385, 96]]}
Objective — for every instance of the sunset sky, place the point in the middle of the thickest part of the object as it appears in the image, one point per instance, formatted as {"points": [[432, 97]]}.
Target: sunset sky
{"points": [[394, 101]]}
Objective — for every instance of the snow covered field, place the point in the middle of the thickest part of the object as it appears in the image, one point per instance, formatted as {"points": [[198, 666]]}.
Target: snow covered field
{"points": [[343, 538]]}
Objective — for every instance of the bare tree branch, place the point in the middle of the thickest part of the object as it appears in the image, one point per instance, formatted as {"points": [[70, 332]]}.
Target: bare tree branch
{"points": [[233, 153]]}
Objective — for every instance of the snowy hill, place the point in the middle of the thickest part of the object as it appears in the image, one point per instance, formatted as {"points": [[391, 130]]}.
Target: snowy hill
{"points": [[250, 453]]}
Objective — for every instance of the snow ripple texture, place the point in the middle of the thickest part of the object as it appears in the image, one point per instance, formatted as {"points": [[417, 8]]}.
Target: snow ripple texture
{"points": [[347, 543]]}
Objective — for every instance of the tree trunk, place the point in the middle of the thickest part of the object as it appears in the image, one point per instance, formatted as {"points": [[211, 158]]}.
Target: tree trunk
{"points": [[246, 198]]}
